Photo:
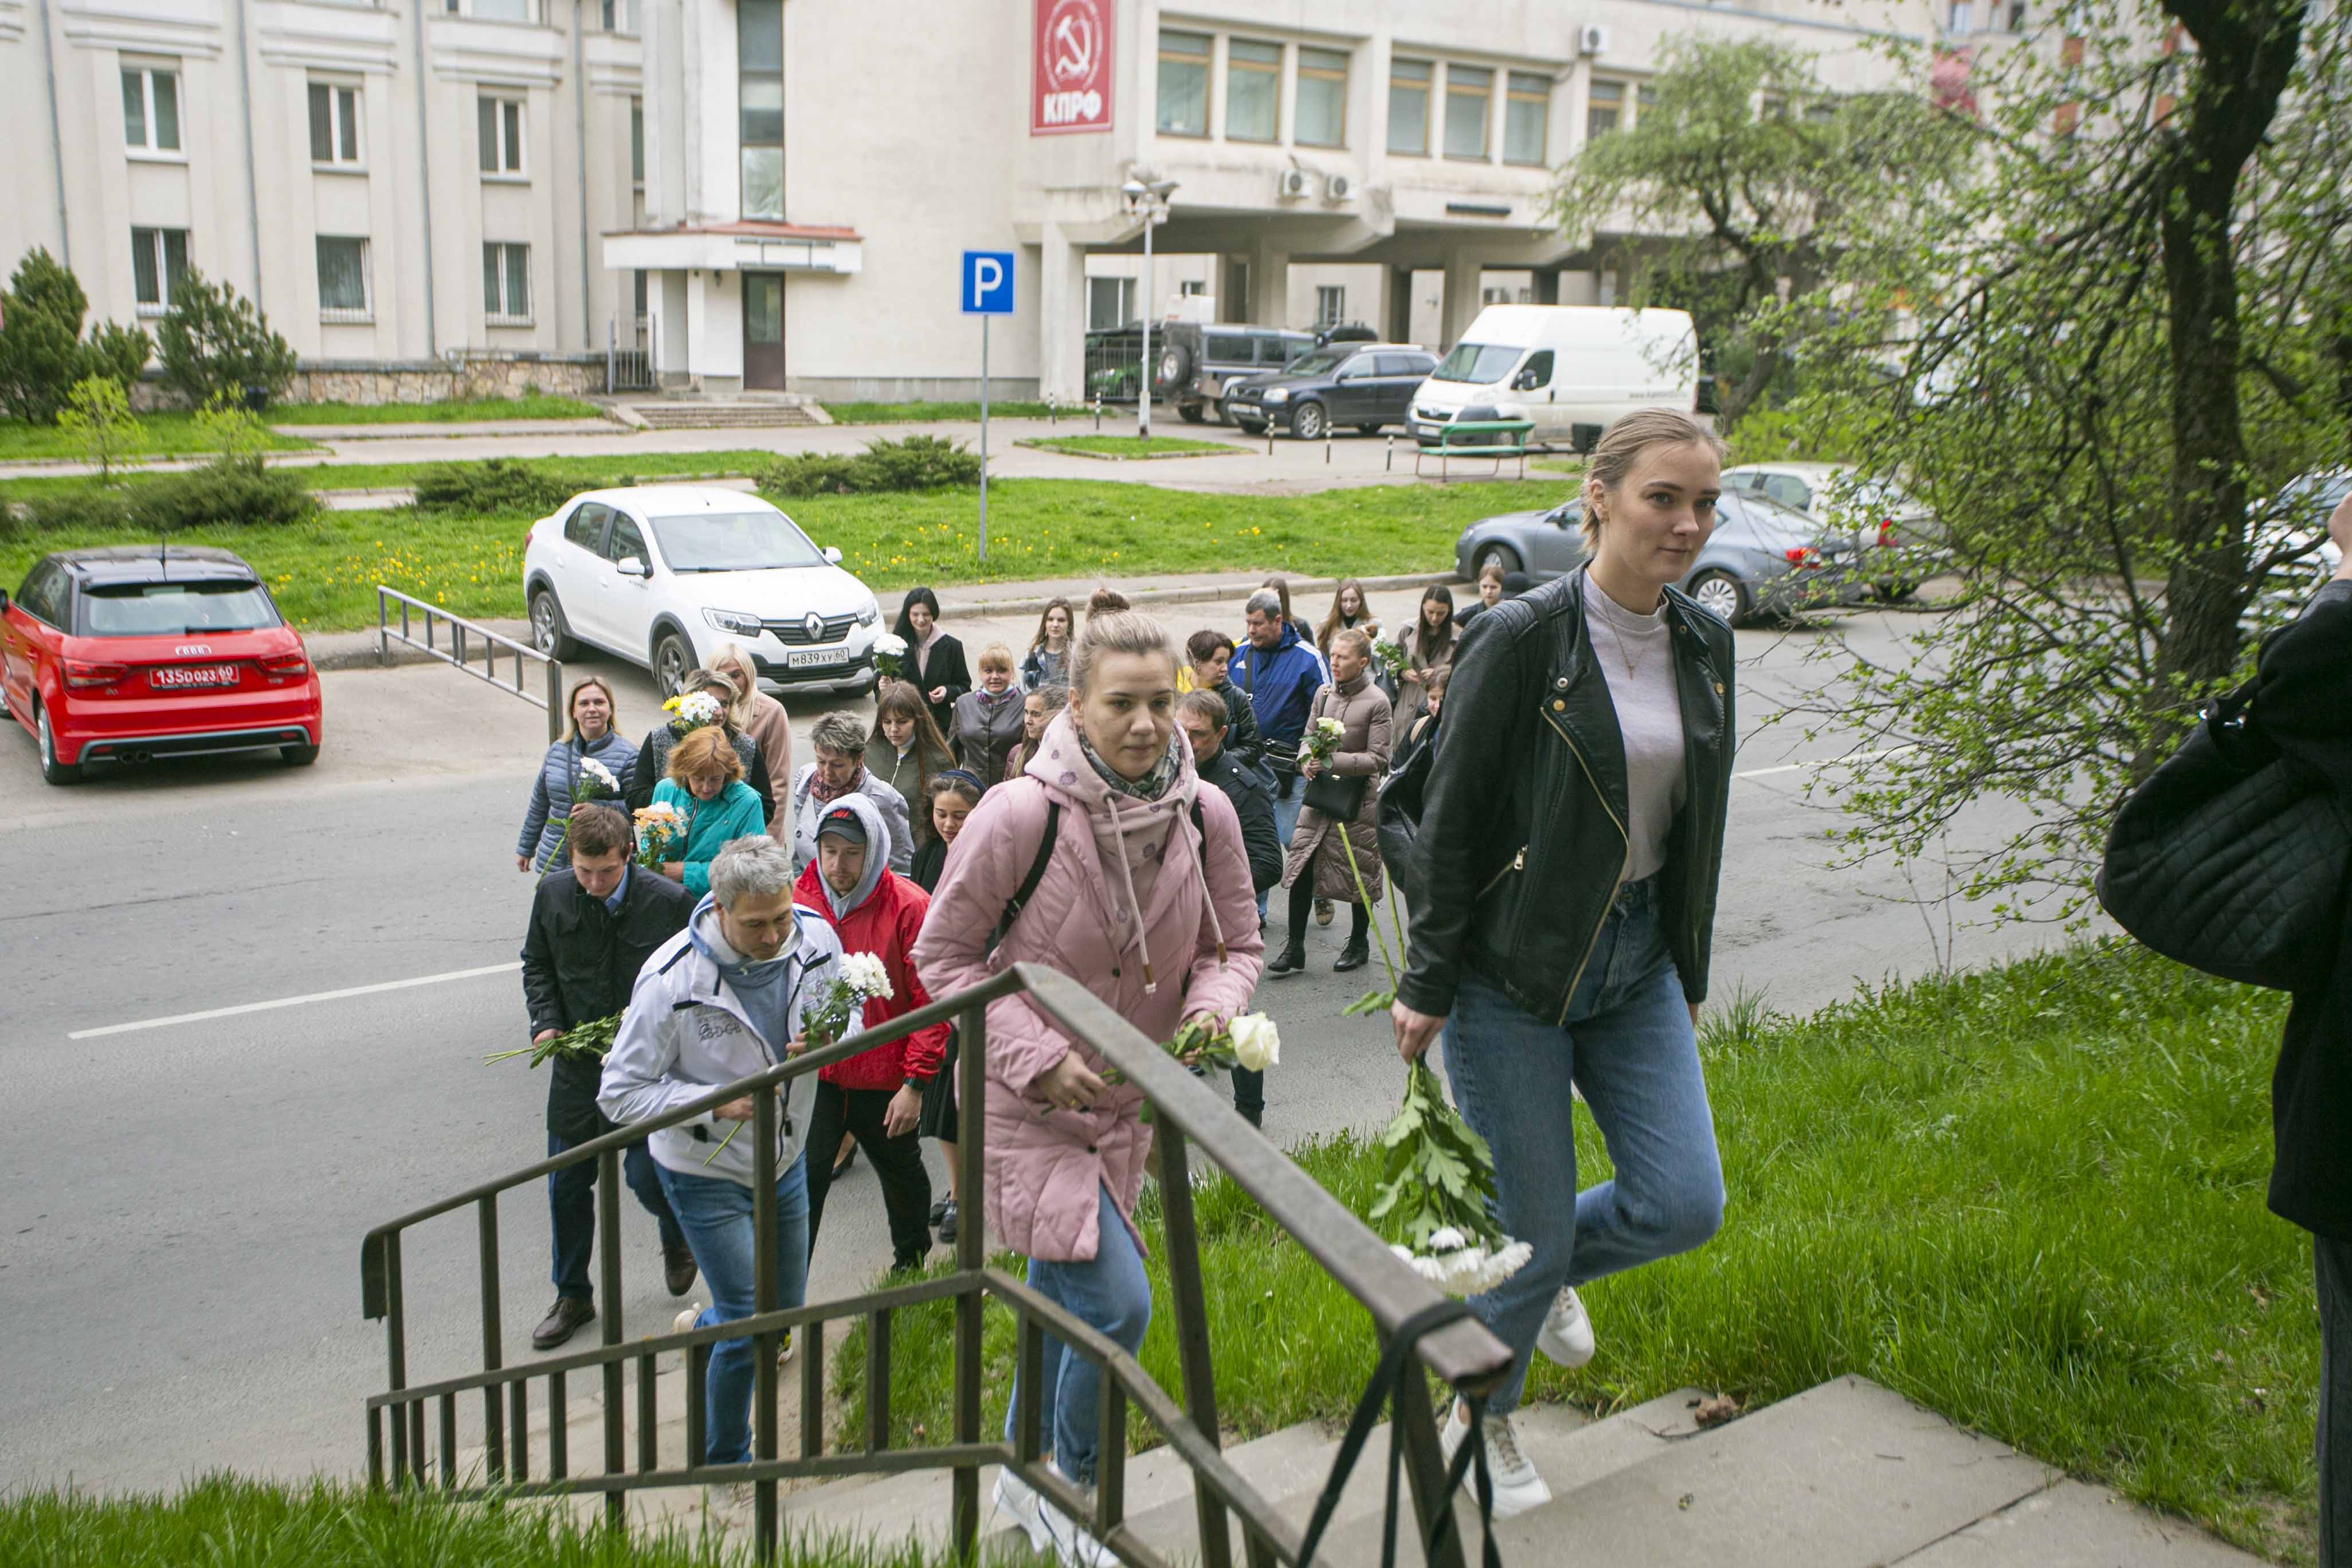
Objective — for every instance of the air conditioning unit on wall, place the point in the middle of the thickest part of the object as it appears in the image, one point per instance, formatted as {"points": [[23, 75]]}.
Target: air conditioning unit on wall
{"points": [[1338, 187], [1294, 183], [1591, 38]]}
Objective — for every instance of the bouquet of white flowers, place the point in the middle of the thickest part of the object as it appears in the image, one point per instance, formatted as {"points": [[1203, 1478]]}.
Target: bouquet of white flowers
{"points": [[1323, 738], [595, 783], [692, 711], [864, 978], [1437, 1181], [890, 656], [1247, 1040], [588, 1041], [658, 826]]}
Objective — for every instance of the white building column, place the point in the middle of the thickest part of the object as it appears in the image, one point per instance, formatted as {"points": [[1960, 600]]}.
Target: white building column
{"points": [[1461, 269], [1061, 317], [1269, 280]]}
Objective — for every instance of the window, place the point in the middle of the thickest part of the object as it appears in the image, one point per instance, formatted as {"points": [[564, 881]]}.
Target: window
{"points": [[637, 143], [1192, 288], [620, 16], [334, 123], [1527, 115], [150, 109], [491, 10], [343, 280], [501, 130], [43, 597], [586, 527], [1183, 83], [1467, 90], [639, 294], [1535, 373], [760, 55], [1405, 365], [626, 540], [159, 258], [1322, 109], [1252, 90], [1648, 96], [1604, 109], [1110, 301], [506, 282], [1494, 296], [1409, 107], [1331, 305], [1961, 20]]}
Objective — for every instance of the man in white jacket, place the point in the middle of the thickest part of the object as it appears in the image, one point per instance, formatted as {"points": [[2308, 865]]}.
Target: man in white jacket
{"points": [[724, 999]]}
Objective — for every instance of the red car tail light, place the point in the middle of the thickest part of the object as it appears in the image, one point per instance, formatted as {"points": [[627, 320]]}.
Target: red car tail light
{"points": [[1886, 535], [87, 674], [285, 666], [1804, 557]]}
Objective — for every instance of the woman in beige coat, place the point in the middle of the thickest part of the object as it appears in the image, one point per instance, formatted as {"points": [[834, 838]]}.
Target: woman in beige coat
{"points": [[762, 718], [1319, 864]]}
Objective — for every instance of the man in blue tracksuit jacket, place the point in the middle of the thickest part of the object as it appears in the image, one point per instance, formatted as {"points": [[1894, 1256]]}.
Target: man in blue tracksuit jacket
{"points": [[1280, 670]]}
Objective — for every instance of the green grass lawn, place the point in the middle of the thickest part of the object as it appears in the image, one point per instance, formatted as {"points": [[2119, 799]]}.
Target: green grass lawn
{"points": [[542, 406], [2031, 1199], [324, 573], [167, 436], [1128, 446], [926, 413], [221, 1521], [594, 470]]}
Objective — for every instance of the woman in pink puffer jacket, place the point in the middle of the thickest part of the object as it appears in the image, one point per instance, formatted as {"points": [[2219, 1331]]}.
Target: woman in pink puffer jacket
{"points": [[1155, 917]]}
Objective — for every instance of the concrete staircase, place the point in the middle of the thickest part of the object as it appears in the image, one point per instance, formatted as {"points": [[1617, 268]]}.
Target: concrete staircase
{"points": [[764, 412], [1847, 1474]]}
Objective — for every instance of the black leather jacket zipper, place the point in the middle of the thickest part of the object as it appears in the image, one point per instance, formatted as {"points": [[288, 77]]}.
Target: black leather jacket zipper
{"points": [[1624, 859]]}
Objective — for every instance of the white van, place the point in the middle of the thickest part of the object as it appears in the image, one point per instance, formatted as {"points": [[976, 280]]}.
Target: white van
{"points": [[1572, 369]]}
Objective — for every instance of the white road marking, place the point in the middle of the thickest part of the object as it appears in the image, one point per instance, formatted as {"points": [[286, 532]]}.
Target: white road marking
{"points": [[295, 1001], [1850, 757]]}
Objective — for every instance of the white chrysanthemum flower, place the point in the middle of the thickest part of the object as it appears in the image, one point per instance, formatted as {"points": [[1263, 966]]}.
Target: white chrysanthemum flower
{"points": [[602, 776], [1257, 1044], [696, 708], [1466, 1268], [866, 974], [891, 644], [1446, 1239]]}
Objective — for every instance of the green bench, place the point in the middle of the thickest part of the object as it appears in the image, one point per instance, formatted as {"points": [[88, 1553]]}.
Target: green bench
{"points": [[1497, 441]]}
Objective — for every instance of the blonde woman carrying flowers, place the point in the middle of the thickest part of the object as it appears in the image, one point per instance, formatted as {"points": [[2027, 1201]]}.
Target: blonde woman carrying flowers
{"points": [[595, 736]]}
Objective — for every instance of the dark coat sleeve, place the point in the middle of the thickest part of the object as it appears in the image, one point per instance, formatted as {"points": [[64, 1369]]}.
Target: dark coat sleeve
{"points": [[755, 772], [1259, 839], [2302, 700], [948, 669], [653, 756], [543, 992], [1241, 738]]}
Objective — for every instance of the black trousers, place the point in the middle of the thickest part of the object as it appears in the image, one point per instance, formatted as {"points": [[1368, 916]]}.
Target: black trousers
{"points": [[897, 1161], [2334, 1262], [1302, 905]]}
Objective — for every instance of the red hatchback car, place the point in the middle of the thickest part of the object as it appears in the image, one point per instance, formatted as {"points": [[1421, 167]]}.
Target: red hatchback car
{"points": [[138, 651]]}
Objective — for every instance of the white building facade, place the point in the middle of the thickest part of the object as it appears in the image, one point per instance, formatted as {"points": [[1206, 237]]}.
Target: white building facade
{"points": [[773, 195]]}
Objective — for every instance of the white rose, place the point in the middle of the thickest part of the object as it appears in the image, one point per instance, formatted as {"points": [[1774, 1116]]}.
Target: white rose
{"points": [[1257, 1044]]}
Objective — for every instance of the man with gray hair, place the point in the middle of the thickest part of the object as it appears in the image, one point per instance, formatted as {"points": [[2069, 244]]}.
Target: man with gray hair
{"points": [[1279, 670], [725, 998], [839, 741]]}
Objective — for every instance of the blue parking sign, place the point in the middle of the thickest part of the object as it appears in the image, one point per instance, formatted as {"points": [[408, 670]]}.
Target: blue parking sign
{"points": [[987, 283]]}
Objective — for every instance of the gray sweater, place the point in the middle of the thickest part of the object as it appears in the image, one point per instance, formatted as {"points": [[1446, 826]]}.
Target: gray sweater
{"points": [[1637, 661]]}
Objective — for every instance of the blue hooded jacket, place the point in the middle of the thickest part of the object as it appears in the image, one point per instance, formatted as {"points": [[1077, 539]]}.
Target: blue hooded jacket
{"points": [[1281, 687]]}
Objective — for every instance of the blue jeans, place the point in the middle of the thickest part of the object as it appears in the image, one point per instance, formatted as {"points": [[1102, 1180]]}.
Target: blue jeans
{"points": [[1285, 812], [1109, 1293], [1628, 1043], [571, 1212], [716, 1215]]}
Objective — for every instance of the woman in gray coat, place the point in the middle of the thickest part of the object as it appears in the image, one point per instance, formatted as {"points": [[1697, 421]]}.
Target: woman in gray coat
{"points": [[1318, 866]]}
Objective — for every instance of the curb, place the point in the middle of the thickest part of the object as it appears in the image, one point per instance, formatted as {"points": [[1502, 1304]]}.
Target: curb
{"points": [[357, 650], [1205, 594]]}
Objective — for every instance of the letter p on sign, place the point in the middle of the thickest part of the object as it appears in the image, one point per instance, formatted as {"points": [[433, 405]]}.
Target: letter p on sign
{"points": [[987, 283]]}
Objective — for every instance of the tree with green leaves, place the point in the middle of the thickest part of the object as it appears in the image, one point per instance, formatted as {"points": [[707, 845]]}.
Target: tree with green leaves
{"points": [[42, 354], [98, 415], [2113, 364], [215, 343], [1740, 170]]}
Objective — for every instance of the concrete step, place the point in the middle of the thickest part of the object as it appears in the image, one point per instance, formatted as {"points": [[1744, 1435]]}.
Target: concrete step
{"points": [[682, 416], [2077, 1526]]}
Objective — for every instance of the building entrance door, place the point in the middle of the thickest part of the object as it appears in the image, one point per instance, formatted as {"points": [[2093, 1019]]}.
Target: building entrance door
{"points": [[763, 331]]}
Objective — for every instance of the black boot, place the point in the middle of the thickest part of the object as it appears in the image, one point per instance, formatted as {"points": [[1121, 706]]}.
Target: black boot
{"points": [[1290, 961], [1355, 955]]}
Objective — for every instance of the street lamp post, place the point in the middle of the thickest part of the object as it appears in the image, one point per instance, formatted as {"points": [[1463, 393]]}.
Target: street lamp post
{"points": [[1151, 199]]}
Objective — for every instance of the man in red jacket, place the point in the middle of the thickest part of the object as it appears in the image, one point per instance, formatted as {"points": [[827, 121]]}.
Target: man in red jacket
{"points": [[875, 1095]]}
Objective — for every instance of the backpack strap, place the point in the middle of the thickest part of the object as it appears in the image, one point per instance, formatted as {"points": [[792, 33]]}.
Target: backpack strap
{"points": [[1020, 898]]}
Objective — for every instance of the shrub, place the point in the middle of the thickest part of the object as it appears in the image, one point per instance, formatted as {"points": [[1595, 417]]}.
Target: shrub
{"points": [[116, 353], [228, 492], [99, 413], [506, 485], [915, 463], [40, 330], [215, 344]]}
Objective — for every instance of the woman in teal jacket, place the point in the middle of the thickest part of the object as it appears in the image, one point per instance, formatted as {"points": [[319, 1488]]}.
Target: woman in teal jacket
{"points": [[705, 787]]}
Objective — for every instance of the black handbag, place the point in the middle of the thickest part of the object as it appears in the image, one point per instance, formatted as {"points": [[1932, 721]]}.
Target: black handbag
{"points": [[1397, 819], [1338, 797], [2233, 859]]}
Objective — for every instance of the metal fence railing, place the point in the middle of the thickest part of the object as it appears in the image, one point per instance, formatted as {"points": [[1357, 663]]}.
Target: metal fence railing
{"points": [[629, 369], [465, 637], [1186, 1113]]}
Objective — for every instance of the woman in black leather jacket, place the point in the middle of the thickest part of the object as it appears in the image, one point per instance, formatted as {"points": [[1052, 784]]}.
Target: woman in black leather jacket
{"points": [[1571, 835]]}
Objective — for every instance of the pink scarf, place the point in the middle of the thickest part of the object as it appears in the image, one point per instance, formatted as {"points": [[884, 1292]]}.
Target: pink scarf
{"points": [[824, 794]]}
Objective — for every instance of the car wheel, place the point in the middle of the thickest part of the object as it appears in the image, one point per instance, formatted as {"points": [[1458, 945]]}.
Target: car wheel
{"points": [[53, 770], [1501, 555], [1371, 429], [1309, 422], [1224, 412], [1193, 413], [1895, 593], [548, 634], [1722, 595], [673, 657], [297, 756], [1250, 427]]}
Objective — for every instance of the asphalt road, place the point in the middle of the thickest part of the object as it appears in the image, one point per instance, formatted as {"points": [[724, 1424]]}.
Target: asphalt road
{"points": [[181, 1204]]}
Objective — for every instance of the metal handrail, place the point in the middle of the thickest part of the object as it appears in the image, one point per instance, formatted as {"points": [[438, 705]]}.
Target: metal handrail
{"points": [[460, 628], [1463, 1354]]}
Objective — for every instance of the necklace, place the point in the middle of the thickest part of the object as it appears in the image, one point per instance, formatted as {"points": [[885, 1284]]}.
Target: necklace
{"points": [[1631, 660]]}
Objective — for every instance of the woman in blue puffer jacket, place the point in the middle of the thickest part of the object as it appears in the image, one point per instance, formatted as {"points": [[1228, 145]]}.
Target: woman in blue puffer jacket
{"points": [[594, 734]]}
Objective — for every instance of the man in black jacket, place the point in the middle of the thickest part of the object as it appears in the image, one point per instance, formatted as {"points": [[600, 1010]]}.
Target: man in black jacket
{"points": [[2302, 704], [593, 925], [1202, 716]]}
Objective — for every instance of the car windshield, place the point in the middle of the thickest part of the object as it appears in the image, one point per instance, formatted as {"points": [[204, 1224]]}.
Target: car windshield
{"points": [[734, 541], [1479, 362], [173, 609], [1322, 361]]}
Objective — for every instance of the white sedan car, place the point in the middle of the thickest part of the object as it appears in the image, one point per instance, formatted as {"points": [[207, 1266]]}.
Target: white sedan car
{"points": [[663, 574]]}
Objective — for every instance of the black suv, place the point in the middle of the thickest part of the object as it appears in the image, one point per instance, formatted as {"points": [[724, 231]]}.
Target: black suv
{"points": [[1195, 364], [1364, 384]]}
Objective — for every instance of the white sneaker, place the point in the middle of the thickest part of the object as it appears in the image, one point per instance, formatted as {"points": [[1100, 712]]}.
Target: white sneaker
{"points": [[1047, 1527], [733, 1501], [687, 1319], [1566, 1336], [1517, 1487], [1016, 1500]]}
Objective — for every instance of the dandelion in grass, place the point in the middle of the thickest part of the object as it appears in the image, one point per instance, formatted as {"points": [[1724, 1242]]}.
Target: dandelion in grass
{"points": [[864, 978]]}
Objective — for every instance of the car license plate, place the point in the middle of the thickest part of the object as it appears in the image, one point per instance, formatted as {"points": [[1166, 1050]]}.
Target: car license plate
{"points": [[814, 658], [180, 677]]}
